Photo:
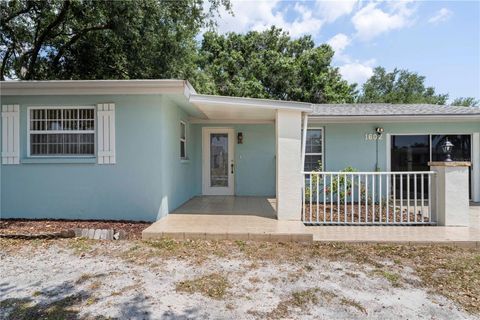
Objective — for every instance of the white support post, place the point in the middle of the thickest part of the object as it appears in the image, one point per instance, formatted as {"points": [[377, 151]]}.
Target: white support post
{"points": [[304, 140], [288, 125], [476, 167], [450, 193]]}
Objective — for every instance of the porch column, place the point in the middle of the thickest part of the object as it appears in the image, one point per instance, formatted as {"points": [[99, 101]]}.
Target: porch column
{"points": [[450, 191], [288, 131]]}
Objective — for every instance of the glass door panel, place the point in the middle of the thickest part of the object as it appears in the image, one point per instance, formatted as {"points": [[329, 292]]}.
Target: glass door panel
{"points": [[410, 153], [219, 160]]}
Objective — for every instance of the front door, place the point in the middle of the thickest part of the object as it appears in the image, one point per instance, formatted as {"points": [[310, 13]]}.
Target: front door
{"points": [[218, 161]]}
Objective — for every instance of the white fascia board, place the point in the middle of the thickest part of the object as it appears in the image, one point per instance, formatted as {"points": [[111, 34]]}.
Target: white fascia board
{"points": [[250, 102], [89, 87], [395, 118]]}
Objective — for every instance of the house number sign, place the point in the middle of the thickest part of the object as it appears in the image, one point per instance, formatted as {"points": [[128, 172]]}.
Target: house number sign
{"points": [[373, 136]]}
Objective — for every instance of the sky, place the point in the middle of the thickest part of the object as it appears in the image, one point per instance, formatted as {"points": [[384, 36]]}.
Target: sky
{"points": [[437, 39]]}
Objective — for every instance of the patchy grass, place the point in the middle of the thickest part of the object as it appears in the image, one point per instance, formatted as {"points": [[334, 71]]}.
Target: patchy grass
{"points": [[306, 297], [214, 285], [393, 278], [353, 303], [453, 272], [80, 245]]}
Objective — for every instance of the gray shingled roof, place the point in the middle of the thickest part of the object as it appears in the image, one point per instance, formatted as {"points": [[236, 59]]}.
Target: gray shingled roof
{"points": [[388, 109]]}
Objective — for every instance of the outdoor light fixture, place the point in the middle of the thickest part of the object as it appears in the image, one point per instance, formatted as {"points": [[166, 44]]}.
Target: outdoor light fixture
{"points": [[447, 149], [240, 138], [379, 130]]}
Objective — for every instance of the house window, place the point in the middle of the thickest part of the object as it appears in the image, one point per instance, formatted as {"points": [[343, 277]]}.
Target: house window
{"points": [[61, 131], [314, 150], [183, 140]]}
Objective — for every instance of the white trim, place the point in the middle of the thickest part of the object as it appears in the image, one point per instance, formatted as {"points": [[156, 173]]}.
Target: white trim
{"points": [[304, 139], [229, 121], [184, 140], [388, 156], [92, 87], [29, 132], [395, 118], [321, 154], [250, 102], [206, 189]]}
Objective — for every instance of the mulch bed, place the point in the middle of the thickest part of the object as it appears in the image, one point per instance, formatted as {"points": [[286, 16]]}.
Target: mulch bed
{"points": [[133, 229], [337, 215]]}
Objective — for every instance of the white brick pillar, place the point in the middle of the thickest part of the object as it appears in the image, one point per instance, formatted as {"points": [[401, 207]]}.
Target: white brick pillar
{"points": [[288, 132], [450, 191]]}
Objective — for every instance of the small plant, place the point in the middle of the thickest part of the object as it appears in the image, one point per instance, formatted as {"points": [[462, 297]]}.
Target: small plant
{"points": [[213, 285], [303, 298]]}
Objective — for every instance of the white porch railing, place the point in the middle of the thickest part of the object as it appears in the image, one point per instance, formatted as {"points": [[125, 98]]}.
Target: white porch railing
{"points": [[368, 198]]}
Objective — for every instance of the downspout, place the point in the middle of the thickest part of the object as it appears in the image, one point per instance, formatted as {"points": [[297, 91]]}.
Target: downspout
{"points": [[304, 139]]}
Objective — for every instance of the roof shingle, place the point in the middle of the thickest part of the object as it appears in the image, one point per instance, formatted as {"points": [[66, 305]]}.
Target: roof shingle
{"points": [[388, 109]]}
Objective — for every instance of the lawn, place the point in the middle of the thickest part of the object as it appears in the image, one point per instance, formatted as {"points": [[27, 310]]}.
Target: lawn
{"points": [[167, 279]]}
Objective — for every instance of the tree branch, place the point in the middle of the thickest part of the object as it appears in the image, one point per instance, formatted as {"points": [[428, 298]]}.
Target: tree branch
{"points": [[44, 35], [4, 64], [75, 38]]}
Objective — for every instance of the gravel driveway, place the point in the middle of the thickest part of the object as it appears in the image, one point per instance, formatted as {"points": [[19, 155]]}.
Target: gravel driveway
{"points": [[69, 279]]}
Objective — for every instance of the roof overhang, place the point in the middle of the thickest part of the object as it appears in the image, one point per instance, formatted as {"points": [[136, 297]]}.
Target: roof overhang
{"points": [[95, 87], [394, 118], [243, 109]]}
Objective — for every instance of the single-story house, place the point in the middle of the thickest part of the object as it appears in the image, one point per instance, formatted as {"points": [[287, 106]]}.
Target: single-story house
{"points": [[139, 149]]}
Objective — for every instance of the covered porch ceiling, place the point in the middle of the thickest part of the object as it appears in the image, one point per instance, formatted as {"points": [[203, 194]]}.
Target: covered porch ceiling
{"points": [[247, 109]]}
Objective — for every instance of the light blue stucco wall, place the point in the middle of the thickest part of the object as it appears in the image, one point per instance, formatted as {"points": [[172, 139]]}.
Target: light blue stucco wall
{"points": [[345, 144], [254, 158], [147, 182]]}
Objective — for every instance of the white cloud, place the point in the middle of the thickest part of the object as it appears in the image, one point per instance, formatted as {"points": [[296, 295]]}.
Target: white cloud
{"points": [[357, 72], [442, 15], [339, 42], [261, 15], [371, 21], [332, 10]]}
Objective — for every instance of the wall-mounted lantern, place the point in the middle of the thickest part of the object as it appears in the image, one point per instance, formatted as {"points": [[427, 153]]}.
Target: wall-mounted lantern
{"points": [[379, 130], [240, 137], [447, 148]]}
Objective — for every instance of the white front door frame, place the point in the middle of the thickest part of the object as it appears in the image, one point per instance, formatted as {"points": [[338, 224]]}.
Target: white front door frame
{"points": [[207, 189]]}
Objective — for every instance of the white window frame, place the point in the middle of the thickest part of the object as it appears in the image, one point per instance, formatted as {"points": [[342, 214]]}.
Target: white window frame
{"points": [[321, 154], [30, 132], [184, 140]]}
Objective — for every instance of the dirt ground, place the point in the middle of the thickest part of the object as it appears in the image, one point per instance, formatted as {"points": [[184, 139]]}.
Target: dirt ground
{"points": [[88, 279], [132, 229]]}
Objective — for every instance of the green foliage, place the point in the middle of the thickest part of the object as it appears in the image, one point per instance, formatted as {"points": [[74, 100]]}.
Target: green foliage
{"points": [[399, 86], [269, 64], [114, 39], [466, 102], [341, 187]]}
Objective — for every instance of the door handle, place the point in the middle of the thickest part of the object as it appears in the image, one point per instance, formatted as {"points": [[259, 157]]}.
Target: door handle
{"points": [[231, 168]]}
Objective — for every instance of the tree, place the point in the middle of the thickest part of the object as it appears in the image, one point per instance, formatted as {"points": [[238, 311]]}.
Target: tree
{"points": [[399, 86], [271, 65], [114, 39], [466, 102]]}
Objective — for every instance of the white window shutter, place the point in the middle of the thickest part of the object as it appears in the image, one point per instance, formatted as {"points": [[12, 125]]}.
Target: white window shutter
{"points": [[11, 134], [106, 133]]}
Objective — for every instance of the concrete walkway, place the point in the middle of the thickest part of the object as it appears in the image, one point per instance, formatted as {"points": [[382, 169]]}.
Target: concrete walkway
{"points": [[192, 222]]}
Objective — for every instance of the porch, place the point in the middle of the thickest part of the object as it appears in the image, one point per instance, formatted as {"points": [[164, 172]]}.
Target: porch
{"points": [[253, 218], [227, 217]]}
